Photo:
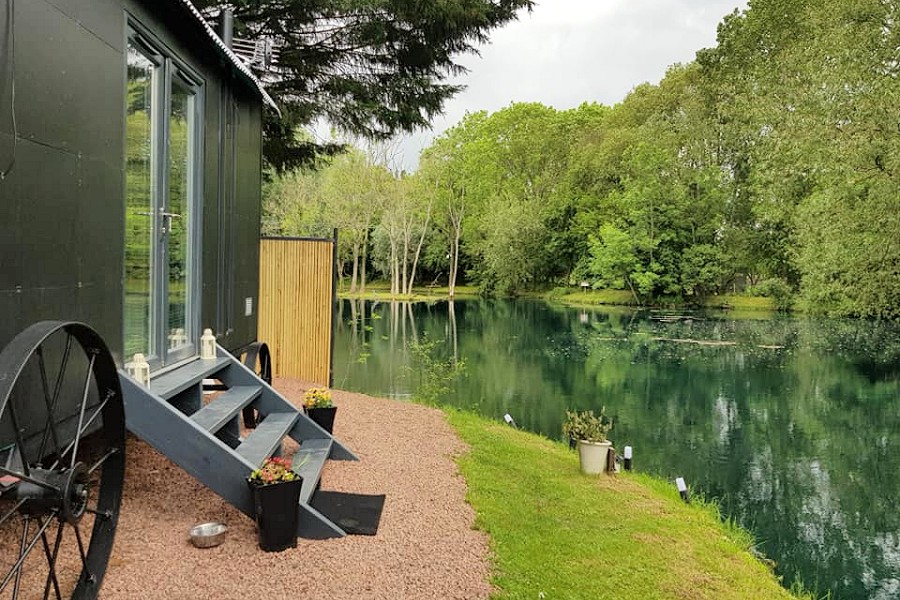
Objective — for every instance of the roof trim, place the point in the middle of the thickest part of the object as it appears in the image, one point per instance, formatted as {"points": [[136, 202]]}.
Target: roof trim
{"points": [[236, 62]]}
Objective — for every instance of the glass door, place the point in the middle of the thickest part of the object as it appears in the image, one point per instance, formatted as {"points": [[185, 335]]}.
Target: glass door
{"points": [[178, 220], [162, 172]]}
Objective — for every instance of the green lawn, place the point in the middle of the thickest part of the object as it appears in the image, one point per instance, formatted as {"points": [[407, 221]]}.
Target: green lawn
{"points": [[557, 532], [381, 290]]}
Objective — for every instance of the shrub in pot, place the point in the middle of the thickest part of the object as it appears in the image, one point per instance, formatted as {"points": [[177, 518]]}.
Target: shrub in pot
{"points": [[589, 431], [275, 489], [318, 405]]}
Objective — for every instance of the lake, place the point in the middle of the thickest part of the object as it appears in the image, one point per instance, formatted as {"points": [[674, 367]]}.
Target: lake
{"points": [[791, 424]]}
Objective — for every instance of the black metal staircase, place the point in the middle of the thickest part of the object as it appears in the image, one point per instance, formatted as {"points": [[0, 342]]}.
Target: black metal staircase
{"points": [[205, 440]]}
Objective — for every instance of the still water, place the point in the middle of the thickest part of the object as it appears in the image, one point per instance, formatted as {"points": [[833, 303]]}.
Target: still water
{"points": [[793, 425]]}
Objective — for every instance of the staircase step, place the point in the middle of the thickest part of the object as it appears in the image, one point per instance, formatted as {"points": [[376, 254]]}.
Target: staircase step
{"points": [[225, 407], [169, 384], [315, 452], [266, 438]]}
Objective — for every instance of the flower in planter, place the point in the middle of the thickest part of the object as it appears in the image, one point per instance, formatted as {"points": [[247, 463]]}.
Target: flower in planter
{"points": [[275, 470], [317, 398]]}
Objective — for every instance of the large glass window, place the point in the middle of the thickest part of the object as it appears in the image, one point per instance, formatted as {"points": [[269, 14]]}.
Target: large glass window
{"points": [[139, 208], [162, 183]]}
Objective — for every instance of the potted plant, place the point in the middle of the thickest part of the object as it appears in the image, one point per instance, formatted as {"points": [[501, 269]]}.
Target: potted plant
{"points": [[318, 405], [275, 488], [589, 431]]}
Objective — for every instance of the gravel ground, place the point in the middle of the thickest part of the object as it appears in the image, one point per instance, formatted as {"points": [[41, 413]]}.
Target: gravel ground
{"points": [[425, 546]]}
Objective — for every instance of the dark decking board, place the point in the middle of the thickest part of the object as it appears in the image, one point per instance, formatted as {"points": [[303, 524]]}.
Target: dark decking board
{"points": [[311, 470], [168, 385], [225, 407], [267, 436]]}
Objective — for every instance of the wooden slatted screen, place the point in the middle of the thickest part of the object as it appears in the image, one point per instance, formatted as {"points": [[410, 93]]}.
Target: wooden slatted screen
{"points": [[296, 306]]}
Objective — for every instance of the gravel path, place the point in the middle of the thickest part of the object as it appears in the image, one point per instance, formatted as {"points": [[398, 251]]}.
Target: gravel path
{"points": [[425, 546]]}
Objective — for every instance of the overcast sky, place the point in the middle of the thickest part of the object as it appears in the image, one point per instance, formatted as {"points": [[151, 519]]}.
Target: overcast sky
{"points": [[570, 51]]}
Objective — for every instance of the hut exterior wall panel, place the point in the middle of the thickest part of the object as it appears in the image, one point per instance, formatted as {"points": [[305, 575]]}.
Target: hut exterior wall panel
{"points": [[62, 207], [296, 306]]}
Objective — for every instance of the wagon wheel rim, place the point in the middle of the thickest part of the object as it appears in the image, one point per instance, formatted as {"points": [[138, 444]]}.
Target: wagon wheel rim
{"points": [[259, 360], [59, 475]]}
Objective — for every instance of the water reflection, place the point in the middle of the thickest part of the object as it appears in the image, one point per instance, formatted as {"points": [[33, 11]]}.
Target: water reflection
{"points": [[792, 424]]}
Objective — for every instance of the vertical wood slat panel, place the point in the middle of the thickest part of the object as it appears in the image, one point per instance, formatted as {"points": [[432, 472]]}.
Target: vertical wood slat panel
{"points": [[295, 306]]}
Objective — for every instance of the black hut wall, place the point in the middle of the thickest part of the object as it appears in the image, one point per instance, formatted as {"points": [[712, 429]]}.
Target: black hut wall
{"points": [[62, 203]]}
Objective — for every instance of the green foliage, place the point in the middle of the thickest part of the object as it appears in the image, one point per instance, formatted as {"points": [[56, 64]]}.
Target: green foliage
{"points": [[778, 290], [767, 164], [584, 425], [436, 372], [372, 68]]}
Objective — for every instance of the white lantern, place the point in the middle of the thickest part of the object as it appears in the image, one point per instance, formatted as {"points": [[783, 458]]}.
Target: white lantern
{"points": [[139, 369], [207, 345]]}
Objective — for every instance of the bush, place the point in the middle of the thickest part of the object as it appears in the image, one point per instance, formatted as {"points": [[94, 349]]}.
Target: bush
{"points": [[778, 290]]}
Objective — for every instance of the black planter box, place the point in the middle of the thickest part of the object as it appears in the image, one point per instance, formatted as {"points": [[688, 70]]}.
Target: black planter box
{"points": [[276, 509], [323, 417]]}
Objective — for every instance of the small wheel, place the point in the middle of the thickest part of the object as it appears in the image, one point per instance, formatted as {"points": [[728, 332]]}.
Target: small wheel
{"points": [[258, 360], [62, 461]]}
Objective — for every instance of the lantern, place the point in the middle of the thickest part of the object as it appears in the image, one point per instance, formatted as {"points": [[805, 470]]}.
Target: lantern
{"points": [[207, 345], [139, 369]]}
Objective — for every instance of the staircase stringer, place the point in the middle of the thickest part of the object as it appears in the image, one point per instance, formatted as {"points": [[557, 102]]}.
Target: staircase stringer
{"points": [[201, 454], [271, 401]]}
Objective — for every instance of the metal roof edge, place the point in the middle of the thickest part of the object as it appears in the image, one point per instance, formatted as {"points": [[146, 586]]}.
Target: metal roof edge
{"points": [[236, 62]]}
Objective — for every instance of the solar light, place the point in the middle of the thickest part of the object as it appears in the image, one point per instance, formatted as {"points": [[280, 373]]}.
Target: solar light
{"points": [[627, 462], [682, 489], [509, 420]]}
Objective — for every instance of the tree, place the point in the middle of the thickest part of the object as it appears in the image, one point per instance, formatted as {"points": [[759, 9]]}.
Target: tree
{"points": [[355, 191], [447, 168], [373, 68]]}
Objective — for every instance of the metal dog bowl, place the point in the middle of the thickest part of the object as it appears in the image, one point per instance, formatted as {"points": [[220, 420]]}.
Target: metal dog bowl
{"points": [[207, 535]]}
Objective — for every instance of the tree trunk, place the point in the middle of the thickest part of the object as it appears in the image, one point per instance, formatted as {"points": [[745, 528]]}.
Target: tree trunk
{"points": [[395, 275], [365, 259], [404, 261], [454, 262], [415, 262], [633, 293], [355, 269]]}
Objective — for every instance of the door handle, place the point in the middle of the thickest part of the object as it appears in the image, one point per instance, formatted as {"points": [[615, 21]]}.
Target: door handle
{"points": [[167, 219]]}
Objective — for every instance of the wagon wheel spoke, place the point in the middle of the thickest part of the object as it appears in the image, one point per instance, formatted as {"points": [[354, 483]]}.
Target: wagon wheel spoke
{"points": [[80, 432], [51, 401], [28, 478], [20, 443], [84, 561], [14, 510], [84, 399], [22, 554], [51, 562], [109, 454], [25, 548]]}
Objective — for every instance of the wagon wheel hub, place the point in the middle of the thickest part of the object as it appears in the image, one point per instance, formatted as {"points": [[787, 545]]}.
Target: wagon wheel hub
{"points": [[76, 493], [61, 492]]}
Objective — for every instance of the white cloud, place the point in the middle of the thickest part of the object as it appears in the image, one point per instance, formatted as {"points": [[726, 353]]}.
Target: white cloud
{"points": [[571, 51]]}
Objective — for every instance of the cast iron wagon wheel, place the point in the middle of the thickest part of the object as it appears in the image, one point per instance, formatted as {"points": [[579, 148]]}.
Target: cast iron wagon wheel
{"points": [[258, 360], [62, 461]]}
